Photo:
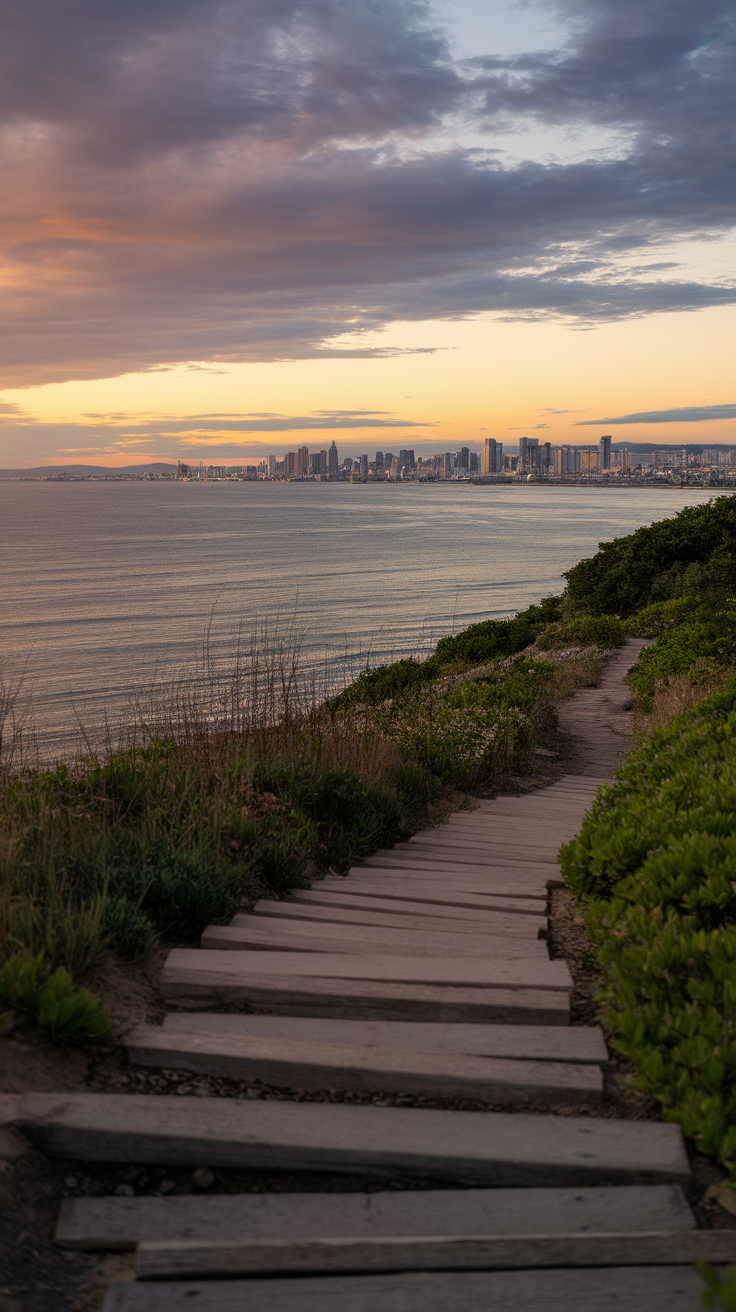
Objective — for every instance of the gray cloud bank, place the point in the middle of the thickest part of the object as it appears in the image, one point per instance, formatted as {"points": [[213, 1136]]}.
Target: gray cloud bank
{"points": [[688, 414], [253, 179]]}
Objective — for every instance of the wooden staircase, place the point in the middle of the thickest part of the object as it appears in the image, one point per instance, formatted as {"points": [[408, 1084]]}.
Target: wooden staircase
{"points": [[422, 975]]}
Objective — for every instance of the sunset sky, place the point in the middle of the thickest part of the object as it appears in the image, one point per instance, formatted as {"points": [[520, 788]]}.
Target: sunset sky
{"points": [[230, 228]]}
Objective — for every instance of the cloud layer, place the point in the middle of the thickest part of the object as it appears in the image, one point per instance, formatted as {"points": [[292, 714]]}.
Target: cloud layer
{"points": [[268, 179], [688, 414]]}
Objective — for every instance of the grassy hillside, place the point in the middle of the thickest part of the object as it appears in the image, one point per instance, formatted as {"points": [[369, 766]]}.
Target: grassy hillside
{"points": [[197, 812]]}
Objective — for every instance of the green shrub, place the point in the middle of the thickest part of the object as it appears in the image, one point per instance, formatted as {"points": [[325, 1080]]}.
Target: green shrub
{"points": [[584, 631], [661, 616], [655, 563], [69, 1014], [655, 863], [720, 1287], [702, 646], [65, 1013], [493, 638], [375, 686], [595, 631], [130, 932]]}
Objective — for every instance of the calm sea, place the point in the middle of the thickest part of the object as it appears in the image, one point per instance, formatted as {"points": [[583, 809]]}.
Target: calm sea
{"points": [[109, 585]]}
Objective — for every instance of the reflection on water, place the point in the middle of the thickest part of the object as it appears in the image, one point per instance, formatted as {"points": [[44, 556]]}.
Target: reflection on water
{"points": [[112, 584]]}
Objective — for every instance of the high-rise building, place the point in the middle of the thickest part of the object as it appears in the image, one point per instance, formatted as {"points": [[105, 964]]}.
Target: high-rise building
{"points": [[333, 462], [271, 466], [315, 464], [302, 468], [449, 463], [492, 457], [324, 463], [528, 454], [462, 458], [364, 466], [379, 462], [387, 458], [604, 454], [395, 467], [406, 459], [290, 464]]}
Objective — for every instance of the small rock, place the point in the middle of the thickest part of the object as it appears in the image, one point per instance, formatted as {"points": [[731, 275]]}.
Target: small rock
{"points": [[203, 1178], [125, 1191], [724, 1195], [166, 1187]]}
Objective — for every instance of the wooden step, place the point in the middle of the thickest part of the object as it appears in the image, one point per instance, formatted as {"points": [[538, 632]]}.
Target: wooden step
{"points": [[602, 1289], [607, 1289], [502, 842], [491, 885], [491, 1148], [346, 895], [440, 970], [294, 1063], [481, 892], [119, 1224], [514, 866], [435, 921], [578, 1043], [198, 990], [187, 1259], [250, 933]]}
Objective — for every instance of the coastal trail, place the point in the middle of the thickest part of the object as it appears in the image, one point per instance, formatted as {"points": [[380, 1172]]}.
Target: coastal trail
{"points": [[402, 1028]]}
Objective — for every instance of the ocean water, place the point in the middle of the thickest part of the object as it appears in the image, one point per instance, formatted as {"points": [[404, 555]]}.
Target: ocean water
{"points": [[110, 586]]}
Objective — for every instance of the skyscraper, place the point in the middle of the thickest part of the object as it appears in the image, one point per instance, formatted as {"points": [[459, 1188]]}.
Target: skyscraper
{"points": [[379, 462], [364, 466], [333, 462], [527, 454], [302, 469], [604, 454], [492, 457]]}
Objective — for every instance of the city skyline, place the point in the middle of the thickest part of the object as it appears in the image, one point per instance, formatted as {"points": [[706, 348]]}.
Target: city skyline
{"points": [[420, 224]]}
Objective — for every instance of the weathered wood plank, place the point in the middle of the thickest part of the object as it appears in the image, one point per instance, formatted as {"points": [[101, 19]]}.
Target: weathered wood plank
{"points": [[187, 1259], [299, 936], [364, 999], [602, 1289], [535, 1042], [579, 1043], [465, 1147], [481, 892], [491, 885], [398, 917], [303, 1064], [470, 973], [514, 863], [118, 1224]]}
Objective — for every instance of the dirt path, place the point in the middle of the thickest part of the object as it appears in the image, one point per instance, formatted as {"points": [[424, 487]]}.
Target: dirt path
{"points": [[600, 719]]}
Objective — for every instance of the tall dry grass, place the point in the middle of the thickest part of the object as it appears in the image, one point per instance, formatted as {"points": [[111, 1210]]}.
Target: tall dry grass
{"points": [[678, 694]]}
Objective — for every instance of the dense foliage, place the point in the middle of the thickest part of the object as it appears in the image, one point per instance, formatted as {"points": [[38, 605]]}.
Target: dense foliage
{"points": [[669, 559], [655, 863]]}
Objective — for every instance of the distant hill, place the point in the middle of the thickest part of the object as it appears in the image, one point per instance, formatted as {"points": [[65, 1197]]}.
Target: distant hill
{"points": [[77, 471]]}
